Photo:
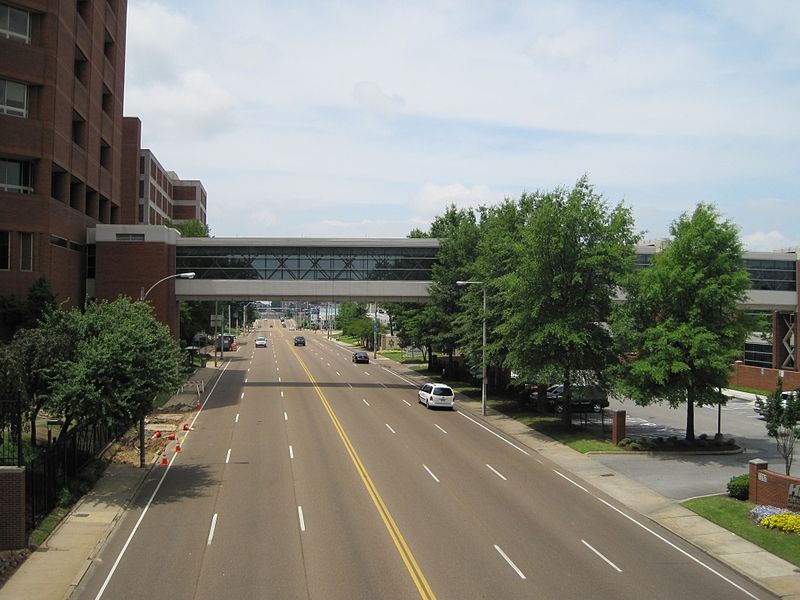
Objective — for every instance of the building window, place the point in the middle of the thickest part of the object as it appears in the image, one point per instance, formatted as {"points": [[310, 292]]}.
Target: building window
{"points": [[5, 250], [15, 24], [81, 67], [108, 101], [78, 130], [105, 154], [13, 98], [108, 49], [26, 252], [15, 176], [83, 10]]}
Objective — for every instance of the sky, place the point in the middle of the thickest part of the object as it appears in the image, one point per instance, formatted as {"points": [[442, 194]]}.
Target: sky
{"points": [[367, 119]]}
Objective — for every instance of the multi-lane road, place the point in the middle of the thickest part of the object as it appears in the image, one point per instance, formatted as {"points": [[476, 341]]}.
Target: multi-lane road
{"points": [[308, 476]]}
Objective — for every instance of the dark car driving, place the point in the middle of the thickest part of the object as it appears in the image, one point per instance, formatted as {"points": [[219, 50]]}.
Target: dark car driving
{"points": [[299, 341], [360, 357]]}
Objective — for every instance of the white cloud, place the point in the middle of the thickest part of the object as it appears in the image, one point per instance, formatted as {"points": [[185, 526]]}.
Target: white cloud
{"points": [[433, 199], [767, 241]]}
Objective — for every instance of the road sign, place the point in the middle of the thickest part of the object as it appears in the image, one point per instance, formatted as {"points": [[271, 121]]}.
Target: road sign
{"points": [[216, 320]]}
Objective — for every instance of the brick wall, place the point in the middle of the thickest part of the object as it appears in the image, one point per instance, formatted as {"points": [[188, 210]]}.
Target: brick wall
{"points": [[763, 378], [12, 508], [772, 488]]}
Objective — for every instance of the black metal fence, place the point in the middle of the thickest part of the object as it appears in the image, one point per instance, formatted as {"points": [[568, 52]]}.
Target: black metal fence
{"points": [[11, 430], [53, 470]]}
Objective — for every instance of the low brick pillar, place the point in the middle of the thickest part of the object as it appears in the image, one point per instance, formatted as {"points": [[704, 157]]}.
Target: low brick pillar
{"points": [[758, 467], [12, 508], [617, 426]]}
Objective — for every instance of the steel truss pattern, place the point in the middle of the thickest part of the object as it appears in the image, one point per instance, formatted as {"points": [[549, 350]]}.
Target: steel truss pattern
{"points": [[789, 341], [307, 263]]}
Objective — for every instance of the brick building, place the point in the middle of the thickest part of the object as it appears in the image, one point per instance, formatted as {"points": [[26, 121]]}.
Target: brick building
{"points": [[68, 159], [61, 87]]}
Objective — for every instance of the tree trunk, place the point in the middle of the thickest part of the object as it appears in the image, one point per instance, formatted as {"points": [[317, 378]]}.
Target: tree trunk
{"points": [[566, 401], [690, 414], [541, 398]]}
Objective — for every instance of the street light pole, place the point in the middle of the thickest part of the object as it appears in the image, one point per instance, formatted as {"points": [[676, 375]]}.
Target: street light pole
{"points": [[483, 344], [142, 297]]}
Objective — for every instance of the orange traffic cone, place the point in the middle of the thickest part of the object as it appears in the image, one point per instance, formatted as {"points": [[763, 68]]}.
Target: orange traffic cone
{"points": [[164, 461], [157, 434], [197, 406], [186, 427], [171, 436], [177, 447]]}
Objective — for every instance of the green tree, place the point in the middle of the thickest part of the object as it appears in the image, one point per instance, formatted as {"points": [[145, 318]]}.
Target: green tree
{"points": [[124, 357], [573, 252], [190, 228], [39, 349], [680, 321], [458, 235], [782, 415]]}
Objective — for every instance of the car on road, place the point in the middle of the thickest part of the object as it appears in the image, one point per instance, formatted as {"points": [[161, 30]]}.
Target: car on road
{"points": [[261, 342], [585, 398], [360, 357], [436, 394], [299, 341]]}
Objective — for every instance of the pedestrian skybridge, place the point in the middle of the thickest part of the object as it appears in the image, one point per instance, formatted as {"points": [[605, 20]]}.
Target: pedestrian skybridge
{"points": [[331, 269]]}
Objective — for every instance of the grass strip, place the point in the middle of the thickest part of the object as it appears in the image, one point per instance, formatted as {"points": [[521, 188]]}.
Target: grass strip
{"points": [[732, 514], [48, 524]]}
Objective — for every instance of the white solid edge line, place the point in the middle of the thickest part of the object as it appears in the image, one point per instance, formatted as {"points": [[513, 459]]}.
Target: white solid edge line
{"points": [[211, 530], [155, 491], [302, 520], [590, 547], [509, 561], [496, 472], [660, 537], [497, 435], [436, 479]]}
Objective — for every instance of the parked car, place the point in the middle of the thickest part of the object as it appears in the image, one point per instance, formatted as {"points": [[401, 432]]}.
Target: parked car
{"points": [[299, 341], [261, 342], [436, 394], [585, 398], [360, 357], [759, 403]]}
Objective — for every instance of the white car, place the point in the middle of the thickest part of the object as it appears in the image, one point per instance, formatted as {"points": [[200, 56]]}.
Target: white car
{"points": [[261, 342], [436, 394], [759, 404]]}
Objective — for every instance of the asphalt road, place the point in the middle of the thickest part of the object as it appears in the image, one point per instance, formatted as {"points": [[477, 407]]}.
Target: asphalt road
{"points": [[308, 476]]}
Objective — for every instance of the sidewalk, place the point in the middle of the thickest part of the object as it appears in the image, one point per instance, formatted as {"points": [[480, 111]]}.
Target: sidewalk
{"points": [[54, 570], [69, 551]]}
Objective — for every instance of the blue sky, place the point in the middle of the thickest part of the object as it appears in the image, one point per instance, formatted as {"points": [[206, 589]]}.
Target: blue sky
{"points": [[367, 119]]}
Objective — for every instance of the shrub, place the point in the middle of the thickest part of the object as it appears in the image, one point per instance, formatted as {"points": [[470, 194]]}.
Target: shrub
{"points": [[703, 436], [64, 497], [623, 442], [739, 486], [635, 446], [785, 522]]}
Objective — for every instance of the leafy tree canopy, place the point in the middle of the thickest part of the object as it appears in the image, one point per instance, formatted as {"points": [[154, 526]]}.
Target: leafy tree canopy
{"points": [[680, 320]]}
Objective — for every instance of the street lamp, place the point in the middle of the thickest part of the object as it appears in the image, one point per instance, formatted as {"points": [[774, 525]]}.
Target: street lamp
{"points": [[143, 297], [483, 345]]}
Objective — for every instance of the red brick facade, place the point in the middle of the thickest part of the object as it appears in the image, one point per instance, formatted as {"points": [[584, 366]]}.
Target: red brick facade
{"points": [[771, 488], [130, 268], [12, 508], [763, 379]]}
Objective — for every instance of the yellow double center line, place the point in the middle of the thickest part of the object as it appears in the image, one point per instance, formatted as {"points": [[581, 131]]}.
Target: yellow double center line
{"points": [[394, 531]]}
